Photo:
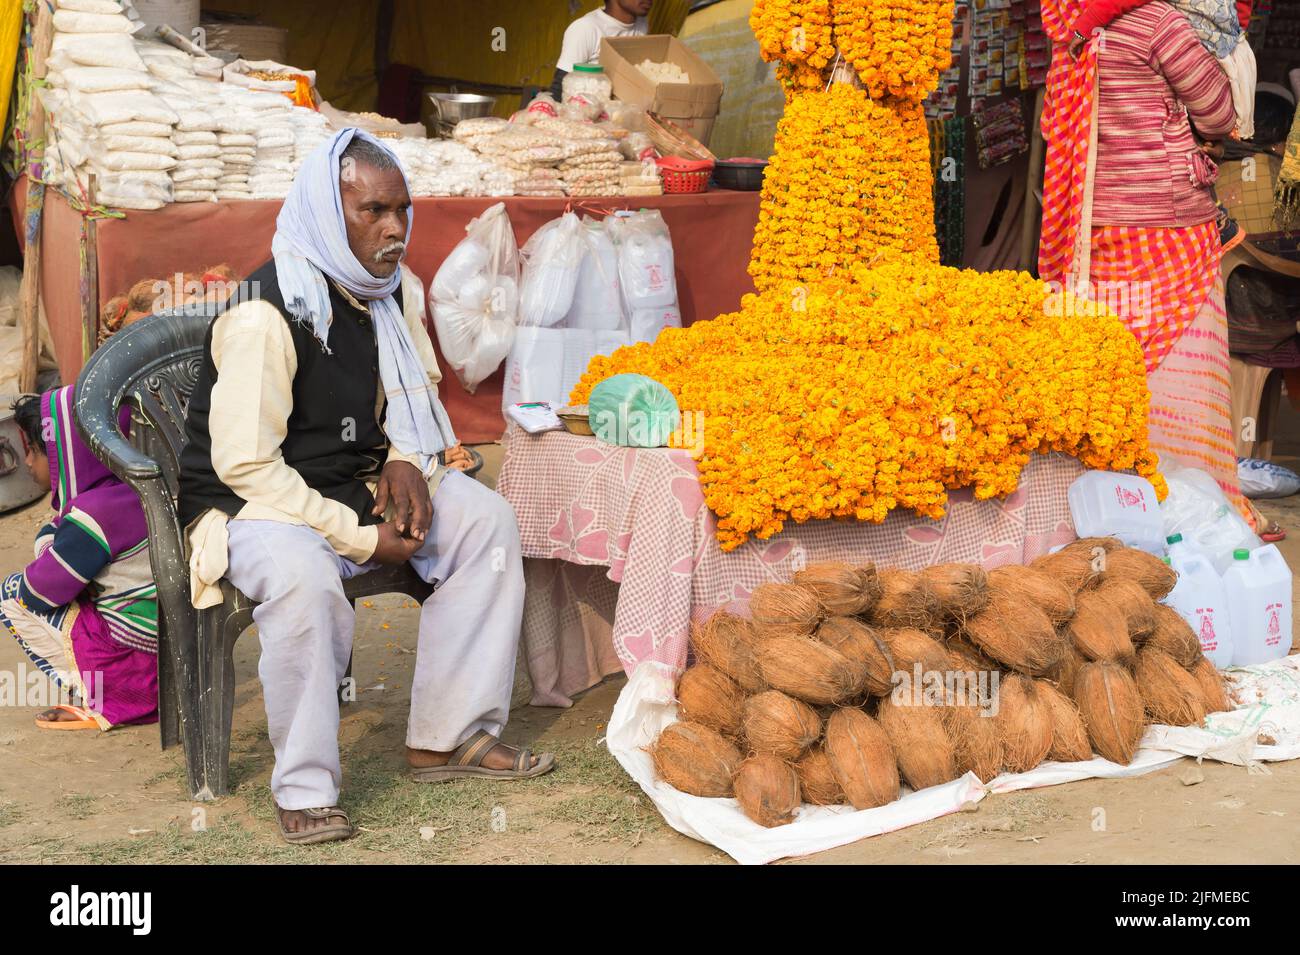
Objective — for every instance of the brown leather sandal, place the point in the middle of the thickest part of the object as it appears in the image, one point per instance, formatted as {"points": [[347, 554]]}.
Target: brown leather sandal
{"points": [[309, 837], [467, 762]]}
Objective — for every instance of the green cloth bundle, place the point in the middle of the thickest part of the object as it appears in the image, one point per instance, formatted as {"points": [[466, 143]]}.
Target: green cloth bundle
{"points": [[633, 411]]}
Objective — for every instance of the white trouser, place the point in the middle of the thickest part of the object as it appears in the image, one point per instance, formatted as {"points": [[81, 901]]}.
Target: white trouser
{"points": [[465, 657]]}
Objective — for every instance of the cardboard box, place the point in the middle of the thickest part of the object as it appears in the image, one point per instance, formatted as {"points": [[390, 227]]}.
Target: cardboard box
{"points": [[693, 106]]}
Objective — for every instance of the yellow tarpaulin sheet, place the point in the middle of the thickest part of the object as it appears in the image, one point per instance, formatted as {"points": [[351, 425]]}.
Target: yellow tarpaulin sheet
{"points": [[11, 34], [507, 42], [753, 101], [504, 42], [337, 40]]}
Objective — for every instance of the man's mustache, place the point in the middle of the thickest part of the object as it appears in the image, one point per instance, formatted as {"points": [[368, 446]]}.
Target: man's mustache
{"points": [[394, 247]]}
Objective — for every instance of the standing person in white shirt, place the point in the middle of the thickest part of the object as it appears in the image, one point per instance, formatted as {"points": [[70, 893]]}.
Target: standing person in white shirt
{"points": [[582, 38]]}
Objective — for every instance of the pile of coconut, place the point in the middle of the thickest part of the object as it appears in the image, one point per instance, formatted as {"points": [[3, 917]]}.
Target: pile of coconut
{"points": [[797, 703]]}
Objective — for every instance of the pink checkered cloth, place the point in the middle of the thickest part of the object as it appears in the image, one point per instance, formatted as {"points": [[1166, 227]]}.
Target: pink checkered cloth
{"points": [[620, 552]]}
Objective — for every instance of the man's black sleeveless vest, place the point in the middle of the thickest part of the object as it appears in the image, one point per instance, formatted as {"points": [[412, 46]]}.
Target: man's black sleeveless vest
{"points": [[334, 440]]}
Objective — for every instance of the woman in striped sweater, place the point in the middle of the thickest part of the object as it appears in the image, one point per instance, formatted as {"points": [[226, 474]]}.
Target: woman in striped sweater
{"points": [[1129, 215], [85, 610]]}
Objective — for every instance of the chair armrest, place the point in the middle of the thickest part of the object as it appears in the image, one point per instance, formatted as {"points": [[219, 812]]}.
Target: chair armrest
{"points": [[107, 443]]}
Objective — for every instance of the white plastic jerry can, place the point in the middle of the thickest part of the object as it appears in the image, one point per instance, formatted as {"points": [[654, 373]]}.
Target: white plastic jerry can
{"points": [[1201, 600], [1113, 504], [1258, 585]]}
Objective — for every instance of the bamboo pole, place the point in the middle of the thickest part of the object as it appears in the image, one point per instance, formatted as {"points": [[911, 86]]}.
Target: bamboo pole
{"points": [[88, 279], [42, 37]]}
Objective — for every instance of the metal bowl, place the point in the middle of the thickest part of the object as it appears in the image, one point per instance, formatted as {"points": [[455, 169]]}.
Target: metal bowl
{"points": [[453, 107]]}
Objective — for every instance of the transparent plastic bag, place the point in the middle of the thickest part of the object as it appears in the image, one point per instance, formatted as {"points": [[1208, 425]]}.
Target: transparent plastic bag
{"points": [[645, 259], [598, 297], [633, 411], [552, 260], [1198, 509], [475, 298]]}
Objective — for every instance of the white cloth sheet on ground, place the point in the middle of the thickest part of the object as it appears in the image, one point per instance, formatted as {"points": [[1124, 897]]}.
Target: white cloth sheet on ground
{"points": [[1267, 729]]}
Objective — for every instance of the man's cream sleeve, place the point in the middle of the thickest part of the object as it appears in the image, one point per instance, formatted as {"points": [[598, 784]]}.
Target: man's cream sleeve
{"points": [[251, 403]]}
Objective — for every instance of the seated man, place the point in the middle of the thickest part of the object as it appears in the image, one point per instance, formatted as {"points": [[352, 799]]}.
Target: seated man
{"points": [[313, 436], [86, 609]]}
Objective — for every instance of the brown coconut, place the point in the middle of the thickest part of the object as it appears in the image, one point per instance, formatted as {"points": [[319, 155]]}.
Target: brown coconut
{"points": [[1090, 545], [861, 758], [817, 780], [726, 642], [1072, 568], [905, 601], [695, 760], [1064, 673], [708, 696], [1174, 635], [1024, 722], [959, 590], [909, 647], [780, 725], [1111, 708], [843, 589], [1031, 585], [964, 655], [865, 646], [1099, 629], [924, 750], [1015, 633], [808, 669], [783, 610], [1069, 738], [1134, 603], [767, 789], [977, 744], [1213, 696], [1128, 563], [1170, 695]]}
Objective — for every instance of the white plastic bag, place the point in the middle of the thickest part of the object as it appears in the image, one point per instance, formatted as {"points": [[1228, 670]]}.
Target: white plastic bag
{"points": [[116, 50], [552, 261], [647, 323], [475, 298], [598, 298], [645, 259], [1198, 509], [99, 79], [1264, 479], [74, 21]]}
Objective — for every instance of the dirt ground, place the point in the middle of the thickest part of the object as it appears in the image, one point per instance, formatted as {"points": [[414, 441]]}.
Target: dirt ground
{"points": [[117, 797]]}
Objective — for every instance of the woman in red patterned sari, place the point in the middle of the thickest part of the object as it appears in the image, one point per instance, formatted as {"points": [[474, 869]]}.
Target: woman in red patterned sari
{"points": [[1129, 216]]}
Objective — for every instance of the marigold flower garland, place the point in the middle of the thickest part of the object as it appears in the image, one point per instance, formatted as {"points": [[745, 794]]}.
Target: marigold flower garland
{"points": [[798, 35], [864, 376], [849, 181], [886, 387], [898, 47]]}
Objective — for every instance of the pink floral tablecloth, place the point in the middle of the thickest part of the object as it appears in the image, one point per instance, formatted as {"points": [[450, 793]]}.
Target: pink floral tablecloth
{"points": [[620, 554]]}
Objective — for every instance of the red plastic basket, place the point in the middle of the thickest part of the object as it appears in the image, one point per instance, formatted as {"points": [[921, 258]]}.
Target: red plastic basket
{"points": [[682, 176]]}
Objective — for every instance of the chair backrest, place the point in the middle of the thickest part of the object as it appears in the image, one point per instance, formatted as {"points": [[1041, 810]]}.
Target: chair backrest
{"points": [[150, 367]]}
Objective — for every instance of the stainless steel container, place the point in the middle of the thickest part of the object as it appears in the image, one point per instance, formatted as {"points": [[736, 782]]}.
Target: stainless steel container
{"points": [[16, 486], [448, 109]]}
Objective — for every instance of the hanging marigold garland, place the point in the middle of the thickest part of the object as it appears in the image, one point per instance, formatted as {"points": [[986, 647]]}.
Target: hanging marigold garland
{"points": [[898, 47], [798, 36], [849, 182]]}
